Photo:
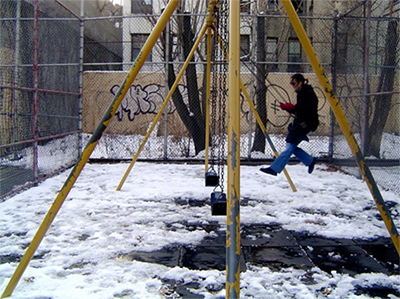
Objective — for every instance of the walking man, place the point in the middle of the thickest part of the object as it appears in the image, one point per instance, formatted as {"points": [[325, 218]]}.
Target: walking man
{"points": [[305, 113]]}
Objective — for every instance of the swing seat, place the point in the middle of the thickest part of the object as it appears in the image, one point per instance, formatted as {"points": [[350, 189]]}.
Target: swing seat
{"points": [[212, 179], [218, 203]]}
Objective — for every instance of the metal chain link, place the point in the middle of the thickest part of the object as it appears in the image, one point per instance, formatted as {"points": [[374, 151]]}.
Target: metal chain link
{"points": [[222, 88], [213, 99]]}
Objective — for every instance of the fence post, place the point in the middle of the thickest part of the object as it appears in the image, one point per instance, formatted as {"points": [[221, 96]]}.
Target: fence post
{"points": [[166, 91], [35, 89], [16, 93], [81, 53], [334, 82]]}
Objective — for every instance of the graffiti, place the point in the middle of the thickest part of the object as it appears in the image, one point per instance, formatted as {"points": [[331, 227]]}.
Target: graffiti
{"points": [[148, 99], [144, 100], [275, 95]]}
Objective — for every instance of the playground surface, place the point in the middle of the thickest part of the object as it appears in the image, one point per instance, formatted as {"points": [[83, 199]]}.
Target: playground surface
{"points": [[156, 238]]}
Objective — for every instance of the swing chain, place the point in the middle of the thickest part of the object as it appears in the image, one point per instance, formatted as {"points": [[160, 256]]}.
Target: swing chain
{"points": [[223, 70], [213, 99]]}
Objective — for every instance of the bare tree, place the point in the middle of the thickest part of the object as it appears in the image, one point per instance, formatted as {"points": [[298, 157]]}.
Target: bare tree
{"points": [[182, 34], [381, 103], [261, 74], [192, 114], [106, 7]]}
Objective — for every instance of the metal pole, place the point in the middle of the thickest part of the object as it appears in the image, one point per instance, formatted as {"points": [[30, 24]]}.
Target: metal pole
{"points": [[156, 119], [334, 82], [51, 214], [16, 93], [167, 57], [81, 61], [343, 123], [260, 123], [35, 87], [233, 182]]}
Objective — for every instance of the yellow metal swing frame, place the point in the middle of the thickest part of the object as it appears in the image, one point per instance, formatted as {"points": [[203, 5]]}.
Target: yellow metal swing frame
{"points": [[233, 160]]}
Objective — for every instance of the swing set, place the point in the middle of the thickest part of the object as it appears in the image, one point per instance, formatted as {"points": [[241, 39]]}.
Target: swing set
{"points": [[221, 203]]}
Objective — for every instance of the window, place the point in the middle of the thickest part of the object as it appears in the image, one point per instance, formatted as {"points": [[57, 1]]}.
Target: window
{"points": [[245, 47], [272, 5], [142, 6], [245, 6], [299, 5], [294, 55], [272, 53], [341, 55], [138, 40]]}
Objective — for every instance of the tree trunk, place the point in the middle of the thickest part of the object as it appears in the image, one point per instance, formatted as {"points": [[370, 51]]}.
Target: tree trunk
{"points": [[261, 74], [192, 116], [195, 106], [382, 103]]}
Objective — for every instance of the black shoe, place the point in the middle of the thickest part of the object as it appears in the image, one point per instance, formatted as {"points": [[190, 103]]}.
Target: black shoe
{"points": [[311, 166], [268, 170]]}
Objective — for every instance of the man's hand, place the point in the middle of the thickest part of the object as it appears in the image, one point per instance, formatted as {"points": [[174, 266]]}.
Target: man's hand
{"points": [[287, 106]]}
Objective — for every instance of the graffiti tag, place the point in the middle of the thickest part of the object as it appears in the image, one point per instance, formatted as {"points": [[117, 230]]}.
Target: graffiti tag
{"points": [[144, 100]]}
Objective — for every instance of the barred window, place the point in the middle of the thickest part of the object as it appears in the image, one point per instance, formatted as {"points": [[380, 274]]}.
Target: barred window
{"points": [[272, 53], [272, 5], [245, 47], [294, 55], [138, 40], [245, 6], [299, 5], [141, 6], [341, 57]]}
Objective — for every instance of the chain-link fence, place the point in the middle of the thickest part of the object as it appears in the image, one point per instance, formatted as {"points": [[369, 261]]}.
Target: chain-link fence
{"points": [[366, 77], [357, 47], [180, 133], [39, 92]]}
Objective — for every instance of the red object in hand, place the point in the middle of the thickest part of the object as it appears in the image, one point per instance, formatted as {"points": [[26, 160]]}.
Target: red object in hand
{"points": [[287, 106]]}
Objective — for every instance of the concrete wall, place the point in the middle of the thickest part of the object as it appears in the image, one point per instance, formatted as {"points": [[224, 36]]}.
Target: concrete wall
{"points": [[143, 100], [147, 94]]}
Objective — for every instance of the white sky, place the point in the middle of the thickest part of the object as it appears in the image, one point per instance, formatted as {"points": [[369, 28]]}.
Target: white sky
{"points": [[117, 1]]}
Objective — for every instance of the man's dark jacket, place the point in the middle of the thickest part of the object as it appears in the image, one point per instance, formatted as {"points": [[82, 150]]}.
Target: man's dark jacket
{"points": [[305, 115]]}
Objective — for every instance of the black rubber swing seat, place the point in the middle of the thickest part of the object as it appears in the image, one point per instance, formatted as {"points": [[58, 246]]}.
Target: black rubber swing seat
{"points": [[218, 203], [212, 179]]}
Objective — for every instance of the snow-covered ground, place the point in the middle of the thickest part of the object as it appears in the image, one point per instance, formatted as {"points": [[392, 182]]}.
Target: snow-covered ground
{"points": [[79, 256]]}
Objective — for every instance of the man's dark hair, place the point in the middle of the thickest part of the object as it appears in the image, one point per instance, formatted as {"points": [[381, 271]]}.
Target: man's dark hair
{"points": [[299, 78]]}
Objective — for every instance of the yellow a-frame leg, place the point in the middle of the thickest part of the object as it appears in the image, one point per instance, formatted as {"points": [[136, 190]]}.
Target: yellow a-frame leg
{"points": [[167, 98], [208, 27], [233, 160], [343, 123], [260, 123], [51, 214]]}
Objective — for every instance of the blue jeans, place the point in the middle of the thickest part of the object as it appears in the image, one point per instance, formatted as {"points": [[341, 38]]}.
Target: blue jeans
{"points": [[291, 148]]}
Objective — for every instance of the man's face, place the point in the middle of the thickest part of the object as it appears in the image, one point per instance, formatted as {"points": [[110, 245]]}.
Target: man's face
{"points": [[295, 84]]}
